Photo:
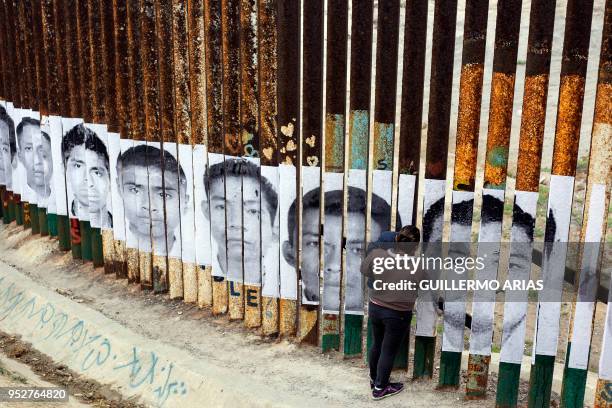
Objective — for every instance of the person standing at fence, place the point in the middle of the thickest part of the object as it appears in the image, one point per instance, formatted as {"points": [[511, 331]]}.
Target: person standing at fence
{"points": [[389, 311]]}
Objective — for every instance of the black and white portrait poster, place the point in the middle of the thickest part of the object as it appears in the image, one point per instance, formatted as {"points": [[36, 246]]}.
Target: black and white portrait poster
{"points": [[8, 146], [58, 189], [288, 231], [587, 289], [515, 306], [333, 184], [489, 237], [143, 218], [114, 151], [188, 243], [75, 165], [259, 208], [170, 192], [125, 182], [234, 167], [15, 118], [311, 200], [97, 177], [433, 225], [460, 234], [28, 140], [405, 198], [355, 241], [270, 273], [553, 264], [44, 166], [216, 204], [202, 211]]}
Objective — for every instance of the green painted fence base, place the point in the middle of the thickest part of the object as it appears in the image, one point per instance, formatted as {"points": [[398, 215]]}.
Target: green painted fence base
{"points": [[52, 224], [86, 241], [352, 334], [574, 384], [63, 232], [42, 221], [450, 369], [34, 221], [8, 215], [330, 342], [97, 254], [508, 380], [401, 359], [12, 208], [540, 381], [19, 213], [424, 352]]}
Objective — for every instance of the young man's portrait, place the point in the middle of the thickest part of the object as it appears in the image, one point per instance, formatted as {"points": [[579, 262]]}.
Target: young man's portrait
{"points": [[87, 174], [8, 149], [28, 143], [355, 243], [236, 188], [140, 172]]}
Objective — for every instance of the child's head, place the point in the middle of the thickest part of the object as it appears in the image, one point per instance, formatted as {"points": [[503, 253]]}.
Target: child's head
{"points": [[87, 169], [146, 179], [235, 185], [8, 146]]}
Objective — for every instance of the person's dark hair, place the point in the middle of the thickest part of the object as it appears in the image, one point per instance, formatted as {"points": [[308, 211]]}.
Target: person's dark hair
{"points": [[408, 233], [81, 135], [4, 117], [27, 121], [357, 201], [245, 168], [46, 136], [144, 155], [492, 211]]}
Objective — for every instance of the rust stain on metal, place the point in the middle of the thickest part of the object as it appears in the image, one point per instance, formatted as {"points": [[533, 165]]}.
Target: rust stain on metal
{"points": [[214, 78], [164, 45], [197, 70], [122, 70], [97, 61], [500, 126], [478, 374], [85, 85], [182, 102], [567, 134], [470, 92], [532, 132]]}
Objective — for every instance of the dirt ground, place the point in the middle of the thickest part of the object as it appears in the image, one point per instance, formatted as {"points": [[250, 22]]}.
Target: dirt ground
{"points": [[303, 370]]}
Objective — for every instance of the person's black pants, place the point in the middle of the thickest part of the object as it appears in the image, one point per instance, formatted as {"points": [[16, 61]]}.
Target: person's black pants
{"points": [[390, 328]]}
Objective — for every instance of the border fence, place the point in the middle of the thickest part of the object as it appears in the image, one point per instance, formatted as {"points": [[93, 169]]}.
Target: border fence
{"points": [[241, 154]]}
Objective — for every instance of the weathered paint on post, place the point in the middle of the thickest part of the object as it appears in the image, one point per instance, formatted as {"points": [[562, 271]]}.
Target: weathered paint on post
{"points": [[214, 91], [312, 132], [440, 90], [182, 124], [335, 123], [136, 129], [112, 259], [597, 201], [197, 88], [249, 134], [565, 155], [267, 60], [539, 46], [496, 162], [358, 132]]}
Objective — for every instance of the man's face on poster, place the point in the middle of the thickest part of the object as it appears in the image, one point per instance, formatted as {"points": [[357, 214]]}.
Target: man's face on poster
{"points": [[143, 215], [175, 195], [6, 169], [76, 175], [355, 238], [310, 252], [43, 164], [98, 179], [28, 145]]}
